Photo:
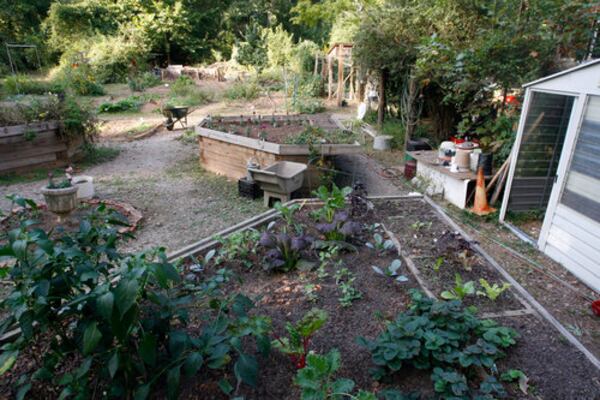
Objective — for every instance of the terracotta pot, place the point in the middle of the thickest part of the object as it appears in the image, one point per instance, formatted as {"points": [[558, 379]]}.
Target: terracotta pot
{"points": [[60, 201]]}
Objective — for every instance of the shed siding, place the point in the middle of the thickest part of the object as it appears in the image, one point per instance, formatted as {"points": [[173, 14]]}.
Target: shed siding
{"points": [[574, 241]]}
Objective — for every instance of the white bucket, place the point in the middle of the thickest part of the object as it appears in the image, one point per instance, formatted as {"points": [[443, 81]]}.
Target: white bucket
{"points": [[85, 186]]}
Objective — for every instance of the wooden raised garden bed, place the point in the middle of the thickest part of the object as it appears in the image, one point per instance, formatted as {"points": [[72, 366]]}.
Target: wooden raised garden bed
{"points": [[555, 369], [228, 143], [27, 146]]}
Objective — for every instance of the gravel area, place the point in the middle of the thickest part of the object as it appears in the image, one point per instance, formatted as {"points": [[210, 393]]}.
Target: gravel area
{"points": [[161, 177]]}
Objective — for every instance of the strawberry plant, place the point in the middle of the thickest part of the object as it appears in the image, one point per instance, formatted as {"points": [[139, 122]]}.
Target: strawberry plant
{"points": [[296, 346], [446, 338], [117, 322], [317, 381]]}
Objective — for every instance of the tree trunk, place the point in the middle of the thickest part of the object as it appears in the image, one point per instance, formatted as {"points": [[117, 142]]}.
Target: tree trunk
{"points": [[382, 102]]}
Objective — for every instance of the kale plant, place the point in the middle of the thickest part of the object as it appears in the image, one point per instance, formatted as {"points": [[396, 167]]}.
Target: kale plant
{"points": [[284, 250], [340, 228], [333, 201], [446, 338]]}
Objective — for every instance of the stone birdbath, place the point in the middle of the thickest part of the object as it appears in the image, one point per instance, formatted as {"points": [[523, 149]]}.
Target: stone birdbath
{"points": [[60, 197]]}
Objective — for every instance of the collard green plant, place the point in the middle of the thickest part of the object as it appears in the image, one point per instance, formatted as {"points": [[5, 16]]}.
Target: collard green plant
{"points": [[333, 201], [121, 318], [297, 344], [380, 244], [391, 271], [444, 337], [460, 290], [288, 215], [492, 292]]}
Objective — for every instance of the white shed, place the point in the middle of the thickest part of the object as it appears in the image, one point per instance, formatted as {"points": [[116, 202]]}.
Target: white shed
{"points": [[558, 167]]}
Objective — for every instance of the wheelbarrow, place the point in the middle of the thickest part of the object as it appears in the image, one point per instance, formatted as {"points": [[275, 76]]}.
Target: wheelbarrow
{"points": [[175, 114]]}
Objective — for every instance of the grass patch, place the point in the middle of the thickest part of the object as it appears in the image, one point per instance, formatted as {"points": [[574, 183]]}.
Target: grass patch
{"points": [[139, 129], [189, 137], [185, 93], [95, 155]]}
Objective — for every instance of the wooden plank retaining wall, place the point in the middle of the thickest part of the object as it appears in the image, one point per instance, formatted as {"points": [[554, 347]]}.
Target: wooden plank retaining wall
{"points": [[27, 146]]}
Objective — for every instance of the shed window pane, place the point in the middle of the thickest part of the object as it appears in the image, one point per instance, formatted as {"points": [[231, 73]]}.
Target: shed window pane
{"points": [[582, 190], [541, 145]]}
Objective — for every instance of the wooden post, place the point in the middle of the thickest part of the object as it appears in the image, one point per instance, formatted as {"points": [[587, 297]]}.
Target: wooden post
{"points": [[381, 106], [340, 77], [330, 78]]}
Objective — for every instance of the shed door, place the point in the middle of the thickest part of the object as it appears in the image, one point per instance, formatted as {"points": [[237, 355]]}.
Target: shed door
{"points": [[574, 234], [544, 133]]}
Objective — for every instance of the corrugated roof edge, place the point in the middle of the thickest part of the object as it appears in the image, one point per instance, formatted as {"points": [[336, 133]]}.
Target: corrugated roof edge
{"points": [[565, 72]]}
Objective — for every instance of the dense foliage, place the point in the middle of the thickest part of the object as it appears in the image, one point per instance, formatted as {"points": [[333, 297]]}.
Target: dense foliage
{"points": [[117, 322], [447, 339]]}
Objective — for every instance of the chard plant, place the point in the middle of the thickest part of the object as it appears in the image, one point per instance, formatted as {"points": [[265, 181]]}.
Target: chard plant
{"points": [[283, 250], [492, 292], [297, 344], [447, 339], [460, 290], [121, 318]]}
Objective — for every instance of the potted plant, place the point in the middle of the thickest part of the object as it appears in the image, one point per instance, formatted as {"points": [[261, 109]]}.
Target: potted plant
{"points": [[60, 197]]}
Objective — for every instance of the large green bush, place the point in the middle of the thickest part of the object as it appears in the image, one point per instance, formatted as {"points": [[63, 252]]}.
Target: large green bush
{"points": [[114, 323]]}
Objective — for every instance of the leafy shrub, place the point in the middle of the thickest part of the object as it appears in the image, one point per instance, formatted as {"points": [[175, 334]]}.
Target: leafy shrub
{"points": [[307, 105], [75, 120], [120, 320], [243, 91], [185, 93], [442, 336], [138, 83], [81, 80]]}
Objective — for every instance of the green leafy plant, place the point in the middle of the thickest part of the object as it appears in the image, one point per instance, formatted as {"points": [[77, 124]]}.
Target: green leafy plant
{"points": [[333, 201], [326, 258], [119, 320], [515, 375], [132, 103], [243, 91], [310, 292], [420, 225], [238, 246], [317, 381], [438, 264], [444, 337], [460, 290], [380, 244], [344, 279], [492, 291], [287, 214], [391, 271], [297, 344]]}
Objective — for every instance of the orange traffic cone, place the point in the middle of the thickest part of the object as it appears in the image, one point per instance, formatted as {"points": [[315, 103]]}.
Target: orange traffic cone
{"points": [[481, 206]]}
